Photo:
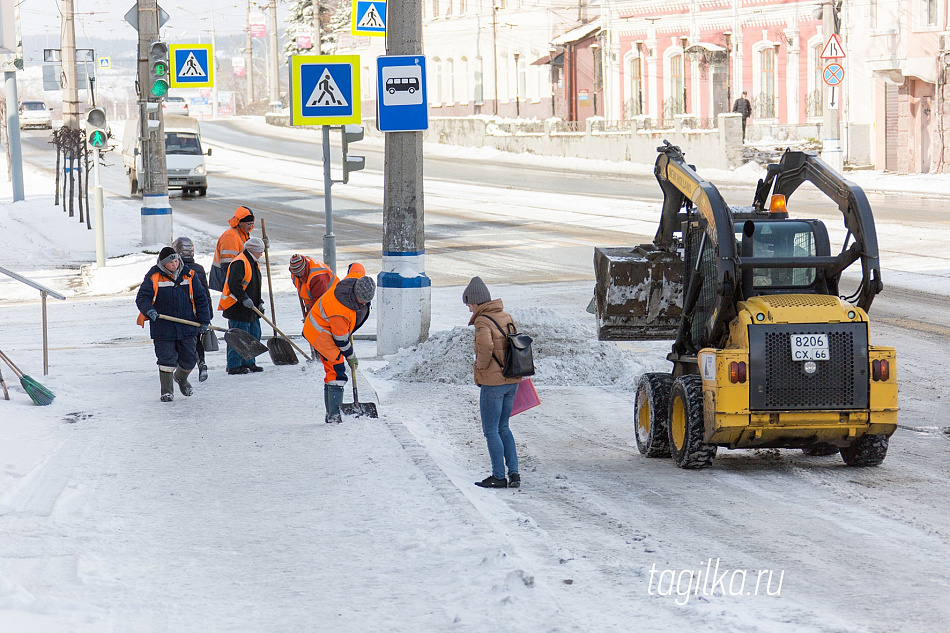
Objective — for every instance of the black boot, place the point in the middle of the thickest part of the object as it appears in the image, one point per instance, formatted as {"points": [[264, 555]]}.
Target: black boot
{"points": [[181, 377], [202, 372], [492, 482], [514, 480], [168, 385], [334, 398]]}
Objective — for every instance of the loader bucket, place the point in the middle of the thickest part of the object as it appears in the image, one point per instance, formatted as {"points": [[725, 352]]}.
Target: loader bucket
{"points": [[638, 295]]}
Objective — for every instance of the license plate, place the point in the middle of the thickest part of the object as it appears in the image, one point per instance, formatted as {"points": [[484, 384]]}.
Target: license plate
{"points": [[810, 347]]}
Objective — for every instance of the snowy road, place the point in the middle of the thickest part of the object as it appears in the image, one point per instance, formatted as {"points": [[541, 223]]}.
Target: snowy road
{"points": [[238, 510]]}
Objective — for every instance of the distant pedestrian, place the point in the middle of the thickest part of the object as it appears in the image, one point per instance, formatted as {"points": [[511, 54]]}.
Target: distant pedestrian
{"points": [[173, 290], [241, 294], [329, 328], [186, 250], [230, 245], [497, 391], [743, 107], [311, 278]]}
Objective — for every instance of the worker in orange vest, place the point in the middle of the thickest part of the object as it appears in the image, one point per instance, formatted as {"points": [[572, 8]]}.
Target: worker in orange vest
{"points": [[241, 295], [230, 245], [312, 279], [329, 327]]}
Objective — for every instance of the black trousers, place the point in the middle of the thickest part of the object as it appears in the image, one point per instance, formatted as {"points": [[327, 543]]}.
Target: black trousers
{"points": [[180, 352]]}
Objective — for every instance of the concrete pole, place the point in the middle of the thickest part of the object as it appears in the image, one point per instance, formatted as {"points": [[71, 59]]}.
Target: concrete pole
{"points": [[329, 239], [317, 30], [830, 136], [68, 45], [273, 59], [404, 298], [98, 204], [156, 209], [214, 66], [249, 58], [13, 135]]}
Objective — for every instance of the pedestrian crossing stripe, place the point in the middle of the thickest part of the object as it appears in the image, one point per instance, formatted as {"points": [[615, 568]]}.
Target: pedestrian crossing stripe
{"points": [[191, 65], [326, 92], [323, 89], [369, 17]]}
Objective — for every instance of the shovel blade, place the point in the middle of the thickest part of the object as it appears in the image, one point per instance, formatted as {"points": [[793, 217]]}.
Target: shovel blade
{"points": [[359, 409], [281, 351], [244, 344]]}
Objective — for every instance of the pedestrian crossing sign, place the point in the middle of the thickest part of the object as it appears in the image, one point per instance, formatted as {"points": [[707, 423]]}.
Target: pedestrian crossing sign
{"points": [[369, 17], [323, 89], [192, 65], [105, 63]]}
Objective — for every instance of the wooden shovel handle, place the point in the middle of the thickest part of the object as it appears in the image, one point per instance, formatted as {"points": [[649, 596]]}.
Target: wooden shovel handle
{"points": [[165, 317], [270, 288], [276, 329], [16, 370]]}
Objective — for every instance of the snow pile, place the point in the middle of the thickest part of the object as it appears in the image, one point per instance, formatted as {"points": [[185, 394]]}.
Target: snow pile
{"points": [[566, 352]]}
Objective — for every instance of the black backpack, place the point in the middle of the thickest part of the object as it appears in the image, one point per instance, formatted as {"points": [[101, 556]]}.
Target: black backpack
{"points": [[519, 361]]}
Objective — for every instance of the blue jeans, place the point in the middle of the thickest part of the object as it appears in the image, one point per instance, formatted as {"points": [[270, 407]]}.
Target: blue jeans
{"points": [[495, 405], [254, 329]]}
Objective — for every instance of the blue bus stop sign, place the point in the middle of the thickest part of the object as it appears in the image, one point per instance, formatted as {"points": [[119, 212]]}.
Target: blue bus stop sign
{"points": [[401, 101]]}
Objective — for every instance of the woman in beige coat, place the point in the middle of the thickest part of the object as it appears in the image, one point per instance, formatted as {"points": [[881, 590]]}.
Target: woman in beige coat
{"points": [[497, 391]]}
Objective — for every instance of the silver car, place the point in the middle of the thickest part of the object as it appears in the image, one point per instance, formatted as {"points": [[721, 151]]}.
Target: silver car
{"points": [[35, 114], [175, 105]]}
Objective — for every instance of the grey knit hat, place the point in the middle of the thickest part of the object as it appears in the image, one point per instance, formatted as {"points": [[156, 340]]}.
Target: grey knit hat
{"points": [[364, 289], [476, 292], [255, 245]]}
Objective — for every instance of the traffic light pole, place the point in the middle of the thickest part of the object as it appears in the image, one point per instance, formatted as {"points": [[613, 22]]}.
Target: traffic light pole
{"points": [[405, 292], [329, 239], [156, 208], [98, 204]]}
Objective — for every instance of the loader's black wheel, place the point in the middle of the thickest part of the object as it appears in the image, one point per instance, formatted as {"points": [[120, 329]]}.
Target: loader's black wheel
{"points": [[687, 446], [821, 449], [651, 414], [867, 450]]}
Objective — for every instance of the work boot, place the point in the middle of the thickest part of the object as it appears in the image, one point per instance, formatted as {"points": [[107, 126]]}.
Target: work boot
{"points": [[202, 372], [168, 385], [237, 371], [492, 482], [514, 480], [254, 368], [334, 398], [181, 377]]}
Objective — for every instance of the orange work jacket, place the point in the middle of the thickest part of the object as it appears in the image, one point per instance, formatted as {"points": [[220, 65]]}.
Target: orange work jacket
{"points": [[227, 299], [314, 269]]}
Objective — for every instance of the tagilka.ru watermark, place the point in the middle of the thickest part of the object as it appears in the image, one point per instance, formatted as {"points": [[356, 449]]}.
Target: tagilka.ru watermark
{"points": [[710, 581]]}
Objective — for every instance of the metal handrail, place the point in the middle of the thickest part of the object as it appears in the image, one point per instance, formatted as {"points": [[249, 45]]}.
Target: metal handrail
{"points": [[44, 292]]}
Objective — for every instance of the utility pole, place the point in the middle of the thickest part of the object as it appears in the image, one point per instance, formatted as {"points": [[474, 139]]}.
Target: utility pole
{"points": [[249, 58], [273, 73], [68, 45], [405, 292], [317, 29], [830, 135], [156, 209], [494, 51], [214, 67]]}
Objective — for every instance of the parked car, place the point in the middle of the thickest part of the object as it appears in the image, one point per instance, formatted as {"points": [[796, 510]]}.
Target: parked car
{"points": [[35, 114], [175, 105]]}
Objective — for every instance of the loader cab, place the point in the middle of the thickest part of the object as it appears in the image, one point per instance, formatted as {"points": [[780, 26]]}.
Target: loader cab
{"points": [[782, 238]]}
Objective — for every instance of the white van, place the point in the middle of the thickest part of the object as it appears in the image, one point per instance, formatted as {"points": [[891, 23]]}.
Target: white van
{"points": [[184, 158]]}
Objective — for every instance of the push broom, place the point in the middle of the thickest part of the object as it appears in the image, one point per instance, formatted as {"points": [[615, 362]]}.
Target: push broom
{"points": [[40, 395]]}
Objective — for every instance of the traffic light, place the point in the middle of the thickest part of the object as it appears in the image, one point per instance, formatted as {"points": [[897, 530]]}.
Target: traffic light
{"points": [[158, 69], [97, 130], [351, 134]]}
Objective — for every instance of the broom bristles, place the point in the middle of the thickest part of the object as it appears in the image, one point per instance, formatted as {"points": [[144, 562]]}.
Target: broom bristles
{"points": [[40, 395]]}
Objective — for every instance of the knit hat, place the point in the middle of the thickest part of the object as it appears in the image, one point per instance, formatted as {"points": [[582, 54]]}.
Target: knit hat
{"points": [[166, 255], [184, 247], [476, 292], [297, 264], [255, 244], [364, 289]]}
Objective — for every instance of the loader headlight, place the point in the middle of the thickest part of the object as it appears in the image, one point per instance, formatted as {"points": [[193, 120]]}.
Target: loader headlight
{"points": [[810, 367], [851, 314], [200, 169], [760, 317]]}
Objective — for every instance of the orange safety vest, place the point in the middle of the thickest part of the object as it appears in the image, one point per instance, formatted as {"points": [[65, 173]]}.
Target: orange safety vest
{"points": [[186, 278], [230, 245], [314, 268], [227, 299], [319, 318]]}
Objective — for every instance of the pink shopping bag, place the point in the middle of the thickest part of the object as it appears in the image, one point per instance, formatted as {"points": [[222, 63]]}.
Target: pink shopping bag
{"points": [[525, 398]]}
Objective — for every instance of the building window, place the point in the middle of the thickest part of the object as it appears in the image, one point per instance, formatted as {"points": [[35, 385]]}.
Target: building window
{"points": [[479, 93], [450, 72], [634, 104], [872, 13], [814, 103], [435, 8], [765, 100], [463, 7], [930, 12], [675, 103]]}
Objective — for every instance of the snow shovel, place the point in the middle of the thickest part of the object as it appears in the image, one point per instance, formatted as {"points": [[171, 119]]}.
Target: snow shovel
{"points": [[285, 337], [281, 353], [243, 343], [40, 395], [356, 408]]}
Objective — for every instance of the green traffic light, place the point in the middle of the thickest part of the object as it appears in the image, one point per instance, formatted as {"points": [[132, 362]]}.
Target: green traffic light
{"points": [[98, 139], [160, 70], [160, 88]]}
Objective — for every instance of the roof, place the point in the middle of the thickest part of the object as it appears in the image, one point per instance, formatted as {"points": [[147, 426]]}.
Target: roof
{"points": [[582, 32]]}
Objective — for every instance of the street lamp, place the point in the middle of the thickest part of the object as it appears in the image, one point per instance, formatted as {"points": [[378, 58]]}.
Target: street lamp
{"points": [[517, 86]]}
